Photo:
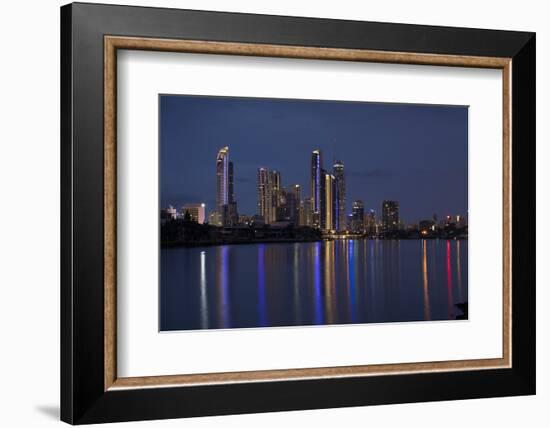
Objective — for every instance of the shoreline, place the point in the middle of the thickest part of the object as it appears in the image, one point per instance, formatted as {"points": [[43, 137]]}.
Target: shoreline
{"points": [[179, 244]]}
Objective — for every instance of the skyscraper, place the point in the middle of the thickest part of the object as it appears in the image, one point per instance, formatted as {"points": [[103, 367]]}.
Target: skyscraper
{"points": [[302, 220], [230, 214], [328, 221], [338, 172], [358, 217], [281, 207], [335, 203], [230, 188], [390, 216], [264, 195], [317, 184], [370, 222], [291, 208], [226, 205], [277, 196], [297, 191], [222, 179], [298, 214], [308, 212]]}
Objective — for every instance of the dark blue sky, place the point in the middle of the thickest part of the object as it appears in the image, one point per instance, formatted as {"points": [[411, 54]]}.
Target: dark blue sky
{"points": [[416, 154]]}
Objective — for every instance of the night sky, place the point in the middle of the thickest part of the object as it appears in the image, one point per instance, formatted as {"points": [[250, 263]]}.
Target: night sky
{"points": [[416, 154]]}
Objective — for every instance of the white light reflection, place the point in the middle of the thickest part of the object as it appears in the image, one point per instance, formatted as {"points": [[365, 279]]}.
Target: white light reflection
{"points": [[204, 297]]}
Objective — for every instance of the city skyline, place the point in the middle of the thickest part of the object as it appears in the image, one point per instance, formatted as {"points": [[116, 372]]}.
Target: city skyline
{"points": [[323, 209], [370, 186]]}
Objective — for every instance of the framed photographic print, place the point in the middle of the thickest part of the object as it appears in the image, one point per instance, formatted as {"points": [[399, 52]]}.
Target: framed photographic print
{"points": [[265, 213]]}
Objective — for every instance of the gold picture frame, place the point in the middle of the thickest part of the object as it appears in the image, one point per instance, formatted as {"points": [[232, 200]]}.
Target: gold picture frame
{"points": [[114, 43]]}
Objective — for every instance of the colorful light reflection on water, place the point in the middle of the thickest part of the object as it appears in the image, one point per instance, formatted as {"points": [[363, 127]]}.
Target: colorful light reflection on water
{"points": [[331, 282]]}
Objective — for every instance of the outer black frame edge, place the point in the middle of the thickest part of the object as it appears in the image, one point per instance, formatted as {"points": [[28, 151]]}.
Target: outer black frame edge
{"points": [[524, 199], [82, 397], [66, 306], [292, 30]]}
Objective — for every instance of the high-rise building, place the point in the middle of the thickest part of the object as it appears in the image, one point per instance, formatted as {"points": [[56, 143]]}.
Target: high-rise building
{"points": [[222, 178], [349, 222], [230, 187], [292, 208], [321, 216], [196, 212], [328, 221], [281, 206], [390, 216], [297, 189], [302, 214], [226, 205], [230, 215], [370, 222], [308, 212], [358, 217], [335, 203], [264, 195], [317, 185], [277, 198], [299, 216], [338, 172]]}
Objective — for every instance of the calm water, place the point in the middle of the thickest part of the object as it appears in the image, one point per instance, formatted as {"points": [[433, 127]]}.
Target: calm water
{"points": [[333, 282]]}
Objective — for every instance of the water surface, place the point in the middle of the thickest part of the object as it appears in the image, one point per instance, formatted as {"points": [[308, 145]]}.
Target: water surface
{"points": [[329, 282]]}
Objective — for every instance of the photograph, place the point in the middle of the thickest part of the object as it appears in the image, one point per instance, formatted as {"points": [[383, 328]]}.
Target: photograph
{"points": [[290, 212], [269, 210]]}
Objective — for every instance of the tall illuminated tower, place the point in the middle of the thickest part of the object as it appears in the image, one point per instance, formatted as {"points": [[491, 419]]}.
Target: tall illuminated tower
{"points": [[297, 189], [338, 172], [265, 203], [390, 216], [230, 188], [276, 193], [328, 221], [358, 217], [317, 185], [307, 214], [222, 179], [370, 222], [226, 205]]}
